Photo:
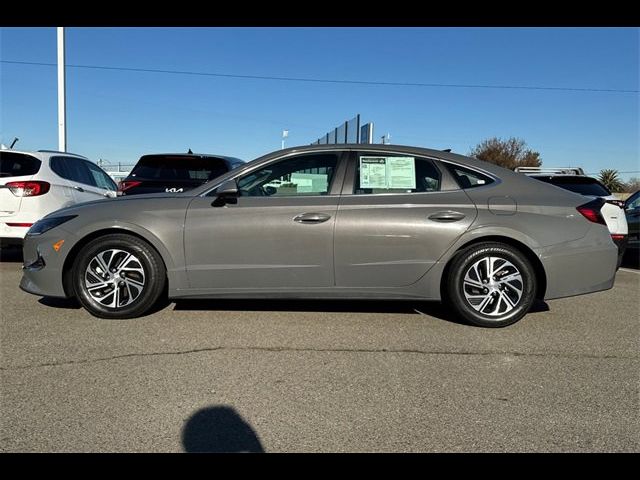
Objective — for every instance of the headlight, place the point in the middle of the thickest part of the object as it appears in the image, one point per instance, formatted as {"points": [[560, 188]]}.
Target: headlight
{"points": [[47, 224]]}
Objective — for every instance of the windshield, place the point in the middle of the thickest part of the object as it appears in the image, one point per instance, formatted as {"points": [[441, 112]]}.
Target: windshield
{"points": [[174, 167], [581, 185], [18, 164]]}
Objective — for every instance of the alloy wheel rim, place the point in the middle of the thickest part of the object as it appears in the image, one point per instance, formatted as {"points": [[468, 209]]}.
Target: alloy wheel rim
{"points": [[114, 278], [493, 286]]}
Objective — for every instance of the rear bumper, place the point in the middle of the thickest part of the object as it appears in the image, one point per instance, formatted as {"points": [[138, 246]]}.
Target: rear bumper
{"points": [[582, 266], [621, 242], [10, 232]]}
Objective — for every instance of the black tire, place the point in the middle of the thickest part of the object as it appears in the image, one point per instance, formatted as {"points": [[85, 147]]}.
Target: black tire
{"points": [[454, 287], [154, 279]]}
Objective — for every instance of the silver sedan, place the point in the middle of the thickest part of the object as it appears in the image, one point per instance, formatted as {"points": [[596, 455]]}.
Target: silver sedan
{"points": [[332, 221]]}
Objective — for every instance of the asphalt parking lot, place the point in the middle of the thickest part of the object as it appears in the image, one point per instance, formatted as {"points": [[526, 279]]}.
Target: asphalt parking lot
{"points": [[284, 376]]}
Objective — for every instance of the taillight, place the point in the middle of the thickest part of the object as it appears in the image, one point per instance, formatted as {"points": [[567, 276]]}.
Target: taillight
{"points": [[21, 224], [617, 203], [591, 211], [28, 189], [125, 185]]}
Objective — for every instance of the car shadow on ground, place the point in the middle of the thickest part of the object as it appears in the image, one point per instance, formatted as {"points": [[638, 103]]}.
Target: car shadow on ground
{"points": [[10, 254], [433, 309], [631, 259], [64, 303]]}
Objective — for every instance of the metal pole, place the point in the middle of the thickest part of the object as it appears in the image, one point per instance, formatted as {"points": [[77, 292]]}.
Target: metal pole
{"points": [[62, 106]]}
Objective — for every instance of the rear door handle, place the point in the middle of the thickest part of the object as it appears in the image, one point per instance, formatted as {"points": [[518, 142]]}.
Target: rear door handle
{"points": [[311, 218], [446, 216], [80, 189]]}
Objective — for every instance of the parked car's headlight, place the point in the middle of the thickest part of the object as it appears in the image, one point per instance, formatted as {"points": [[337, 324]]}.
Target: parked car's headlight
{"points": [[47, 224]]}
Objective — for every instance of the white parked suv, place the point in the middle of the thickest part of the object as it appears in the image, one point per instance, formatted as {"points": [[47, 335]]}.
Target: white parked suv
{"points": [[574, 179], [33, 184]]}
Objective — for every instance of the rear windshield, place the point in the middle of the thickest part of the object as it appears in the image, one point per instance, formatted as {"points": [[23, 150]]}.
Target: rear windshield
{"points": [[581, 185], [17, 164], [161, 167]]}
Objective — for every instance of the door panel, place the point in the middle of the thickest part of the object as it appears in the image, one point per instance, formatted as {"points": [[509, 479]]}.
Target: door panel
{"points": [[278, 233], [393, 239], [258, 243]]}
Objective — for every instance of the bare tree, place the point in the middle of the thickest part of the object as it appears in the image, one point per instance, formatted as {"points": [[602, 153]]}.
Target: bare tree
{"points": [[510, 153], [633, 185]]}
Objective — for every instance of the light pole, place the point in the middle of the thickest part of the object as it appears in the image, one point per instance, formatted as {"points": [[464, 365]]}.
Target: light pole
{"points": [[285, 134], [62, 107]]}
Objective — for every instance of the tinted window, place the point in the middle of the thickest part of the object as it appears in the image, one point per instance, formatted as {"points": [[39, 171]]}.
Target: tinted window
{"points": [[394, 173], [304, 175], [581, 185], [61, 166], [100, 178], [468, 178], [162, 167], [17, 164], [633, 201]]}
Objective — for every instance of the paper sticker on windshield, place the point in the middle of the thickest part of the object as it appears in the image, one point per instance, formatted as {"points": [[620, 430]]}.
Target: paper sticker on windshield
{"points": [[388, 172]]}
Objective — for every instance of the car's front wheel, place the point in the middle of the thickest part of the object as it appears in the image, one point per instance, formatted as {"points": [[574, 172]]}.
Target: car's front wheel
{"points": [[490, 284], [118, 276]]}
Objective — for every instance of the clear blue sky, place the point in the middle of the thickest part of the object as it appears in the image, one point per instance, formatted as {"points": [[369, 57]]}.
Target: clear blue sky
{"points": [[120, 115]]}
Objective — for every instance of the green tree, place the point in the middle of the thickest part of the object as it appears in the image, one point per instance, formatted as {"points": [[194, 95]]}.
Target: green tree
{"points": [[610, 179], [510, 153]]}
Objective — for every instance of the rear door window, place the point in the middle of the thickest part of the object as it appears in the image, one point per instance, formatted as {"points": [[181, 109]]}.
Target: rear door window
{"points": [[14, 164], [73, 169], [394, 173], [581, 185], [175, 167]]}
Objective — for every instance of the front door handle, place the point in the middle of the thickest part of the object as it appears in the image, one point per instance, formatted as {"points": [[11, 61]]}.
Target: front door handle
{"points": [[446, 216], [80, 189], [312, 218]]}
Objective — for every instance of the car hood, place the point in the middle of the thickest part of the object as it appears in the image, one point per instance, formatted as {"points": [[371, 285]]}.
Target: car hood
{"points": [[113, 203]]}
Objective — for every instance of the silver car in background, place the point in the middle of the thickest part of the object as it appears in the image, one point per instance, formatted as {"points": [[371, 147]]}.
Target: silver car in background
{"points": [[332, 221]]}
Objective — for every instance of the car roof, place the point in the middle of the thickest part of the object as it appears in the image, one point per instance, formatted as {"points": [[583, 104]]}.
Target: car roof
{"points": [[43, 153], [199, 155]]}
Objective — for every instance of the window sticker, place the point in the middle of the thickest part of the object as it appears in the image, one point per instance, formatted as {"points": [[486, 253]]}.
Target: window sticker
{"points": [[388, 172], [373, 172], [401, 172]]}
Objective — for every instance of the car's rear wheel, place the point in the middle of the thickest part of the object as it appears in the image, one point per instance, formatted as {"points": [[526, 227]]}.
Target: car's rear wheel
{"points": [[118, 276], [490, 285]]}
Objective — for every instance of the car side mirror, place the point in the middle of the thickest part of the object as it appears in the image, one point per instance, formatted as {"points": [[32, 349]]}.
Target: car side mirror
{"points": [[226, 193]]}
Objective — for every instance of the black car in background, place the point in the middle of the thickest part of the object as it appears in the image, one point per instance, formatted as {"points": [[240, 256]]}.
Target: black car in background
{"points": [[632, 210], [175, 172]]}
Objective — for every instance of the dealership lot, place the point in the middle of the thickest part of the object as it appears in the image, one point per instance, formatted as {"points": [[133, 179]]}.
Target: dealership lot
{"points": [[319, 376]]}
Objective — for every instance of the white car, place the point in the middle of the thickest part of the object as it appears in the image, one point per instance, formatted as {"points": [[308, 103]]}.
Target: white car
{"points": [[574, 180], [34, 184]]}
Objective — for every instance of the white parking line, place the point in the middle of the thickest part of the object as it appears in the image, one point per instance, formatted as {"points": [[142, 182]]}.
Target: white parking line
{"points": [[630, 271]]}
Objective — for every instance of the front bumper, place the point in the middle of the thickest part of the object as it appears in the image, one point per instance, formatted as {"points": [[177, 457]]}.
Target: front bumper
{"points": [[43, 265]]}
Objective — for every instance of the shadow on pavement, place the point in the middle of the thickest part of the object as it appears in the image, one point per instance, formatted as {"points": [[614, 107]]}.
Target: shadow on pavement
{"points": [[11, 254], [219, 429], [631, 259], [433, 309], [66, 303]]}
